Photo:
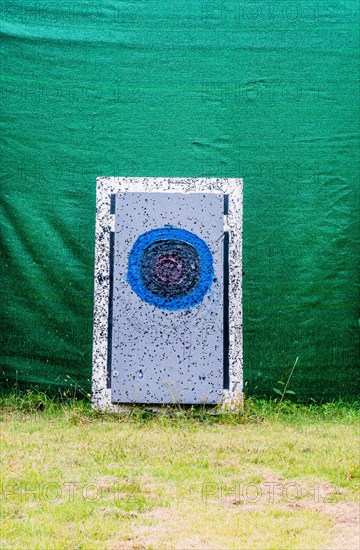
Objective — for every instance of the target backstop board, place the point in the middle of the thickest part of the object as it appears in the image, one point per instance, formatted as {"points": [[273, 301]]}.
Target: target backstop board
{"points": [[167, 315]]}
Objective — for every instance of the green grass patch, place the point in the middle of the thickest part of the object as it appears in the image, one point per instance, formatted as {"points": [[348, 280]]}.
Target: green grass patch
{"points": [[271, 476]]}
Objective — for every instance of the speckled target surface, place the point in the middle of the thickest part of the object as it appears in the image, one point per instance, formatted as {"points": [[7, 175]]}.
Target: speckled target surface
{"points": [[168, 293]]}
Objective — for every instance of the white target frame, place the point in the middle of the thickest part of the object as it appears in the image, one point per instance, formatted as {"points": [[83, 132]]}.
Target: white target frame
{"points": [[105, 224]]}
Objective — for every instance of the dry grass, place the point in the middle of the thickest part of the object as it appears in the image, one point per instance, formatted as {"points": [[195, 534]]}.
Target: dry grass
{"points": [[75, 480]]}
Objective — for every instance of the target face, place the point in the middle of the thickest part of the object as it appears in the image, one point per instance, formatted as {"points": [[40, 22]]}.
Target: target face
{"points": [[167, 340], [170, 268]]}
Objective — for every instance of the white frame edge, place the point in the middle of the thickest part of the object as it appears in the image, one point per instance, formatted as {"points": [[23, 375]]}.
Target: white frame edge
{"points": [[105, 223]]}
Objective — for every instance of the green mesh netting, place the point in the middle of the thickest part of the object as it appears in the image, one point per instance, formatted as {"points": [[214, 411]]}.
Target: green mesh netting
{"points": [[266, 91]]}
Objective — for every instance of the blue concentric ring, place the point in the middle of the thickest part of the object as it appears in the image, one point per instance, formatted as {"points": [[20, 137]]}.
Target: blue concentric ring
{"points": [[169, 234]]}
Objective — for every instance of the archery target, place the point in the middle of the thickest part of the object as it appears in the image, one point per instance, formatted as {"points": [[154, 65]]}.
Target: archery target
{"points": [[167, 298]]}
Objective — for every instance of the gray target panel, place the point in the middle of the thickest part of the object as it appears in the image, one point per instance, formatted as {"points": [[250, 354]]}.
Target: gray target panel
{"points": [[167, 314]]}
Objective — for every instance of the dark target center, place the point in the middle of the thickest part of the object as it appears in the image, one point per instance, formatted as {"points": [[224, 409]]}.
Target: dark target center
{"points": [[169, 269]]}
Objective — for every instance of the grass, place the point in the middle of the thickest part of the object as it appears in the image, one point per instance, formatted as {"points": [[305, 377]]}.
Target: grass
{"points": [[276, 476]]}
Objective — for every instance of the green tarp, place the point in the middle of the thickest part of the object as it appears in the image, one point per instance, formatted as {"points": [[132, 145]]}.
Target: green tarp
{"points": [[267, 91]]}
